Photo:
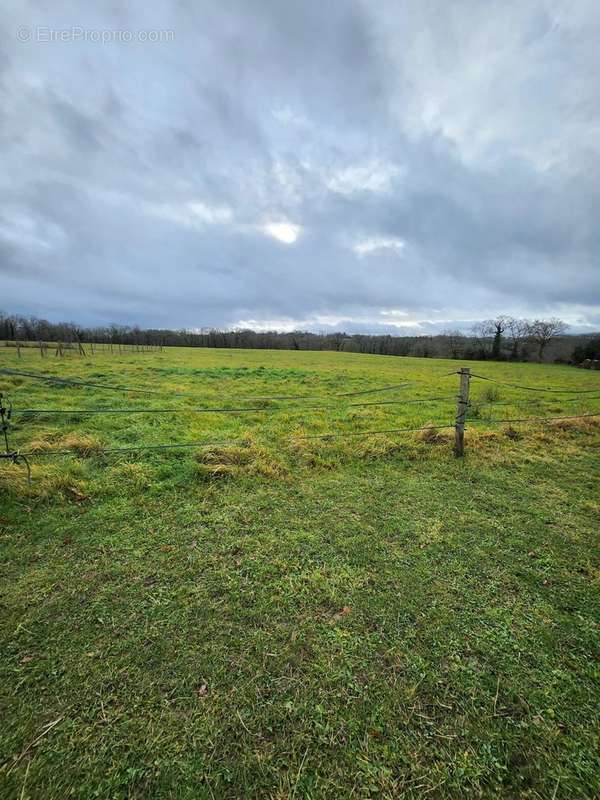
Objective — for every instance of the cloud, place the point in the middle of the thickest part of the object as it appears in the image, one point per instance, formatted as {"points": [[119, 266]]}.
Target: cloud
{"points": [[371, 245], [370, 177], [191, 213], [284, 232], [385, 166]]}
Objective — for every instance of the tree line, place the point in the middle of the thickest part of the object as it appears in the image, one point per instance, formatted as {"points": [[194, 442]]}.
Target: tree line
{"points": [[501, 338]]}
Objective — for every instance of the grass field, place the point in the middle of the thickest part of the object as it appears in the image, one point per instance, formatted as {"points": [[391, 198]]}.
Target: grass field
{"points": [[285, 617]]}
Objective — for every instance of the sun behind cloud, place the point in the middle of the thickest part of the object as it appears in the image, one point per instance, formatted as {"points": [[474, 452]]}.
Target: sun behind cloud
{"points": [[285, 232]]}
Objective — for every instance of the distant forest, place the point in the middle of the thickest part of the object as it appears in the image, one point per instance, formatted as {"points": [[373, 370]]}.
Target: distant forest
{"points": [[502, 338]]}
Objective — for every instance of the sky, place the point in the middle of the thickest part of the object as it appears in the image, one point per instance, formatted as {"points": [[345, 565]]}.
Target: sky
{"points": [[405, 166]]}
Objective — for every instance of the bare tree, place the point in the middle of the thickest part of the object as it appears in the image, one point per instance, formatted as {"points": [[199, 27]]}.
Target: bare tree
{"points": [[542, 331], [517, 333], [455, 341], [481, 332]]}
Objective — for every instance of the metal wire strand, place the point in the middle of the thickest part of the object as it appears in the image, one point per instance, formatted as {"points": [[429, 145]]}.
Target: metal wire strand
{"points": [[141, 390], [535, 388], [224, 410], [330, 435], [532, 419], [132, 448], [520, 402], [335, 434]]}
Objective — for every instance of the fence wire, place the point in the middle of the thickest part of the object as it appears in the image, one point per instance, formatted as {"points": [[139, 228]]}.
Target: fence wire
{"points": [[14, 455], [344, 434], [519, 402], [174, 445], [534, 388], [130, 448], [144, 390], [492, 421], [227, 410]]}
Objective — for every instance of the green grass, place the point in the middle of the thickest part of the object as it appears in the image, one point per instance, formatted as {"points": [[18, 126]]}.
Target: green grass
{"points": [[299, 618]]}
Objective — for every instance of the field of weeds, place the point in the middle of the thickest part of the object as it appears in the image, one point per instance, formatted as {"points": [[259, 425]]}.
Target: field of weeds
{"points": [[266, 614]]}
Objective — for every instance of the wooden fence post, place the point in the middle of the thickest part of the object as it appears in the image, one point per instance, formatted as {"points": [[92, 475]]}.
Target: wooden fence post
{"points": [[461, 411]]}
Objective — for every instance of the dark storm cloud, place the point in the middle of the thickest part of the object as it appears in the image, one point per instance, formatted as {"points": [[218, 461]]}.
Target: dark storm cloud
{"points": [[373, 166]]}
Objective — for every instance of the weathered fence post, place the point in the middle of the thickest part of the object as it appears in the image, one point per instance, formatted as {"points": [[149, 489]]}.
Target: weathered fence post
{"points": [[4, 423], [461, 411]]}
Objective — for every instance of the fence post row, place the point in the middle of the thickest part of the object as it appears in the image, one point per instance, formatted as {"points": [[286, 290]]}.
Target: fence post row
{"points": [[461, 411]]}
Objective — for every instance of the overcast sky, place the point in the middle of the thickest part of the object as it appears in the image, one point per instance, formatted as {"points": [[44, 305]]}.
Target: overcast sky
{"points": [[359, 164]]}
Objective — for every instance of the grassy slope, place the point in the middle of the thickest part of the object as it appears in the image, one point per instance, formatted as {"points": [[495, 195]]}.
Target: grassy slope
{"points": [[344, 618]]}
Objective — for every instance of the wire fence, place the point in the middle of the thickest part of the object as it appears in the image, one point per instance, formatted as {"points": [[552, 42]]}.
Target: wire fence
{"points": [[336, 400], [506, 421], [145, 390], [554, 390], [63, 348], [225, 409]]}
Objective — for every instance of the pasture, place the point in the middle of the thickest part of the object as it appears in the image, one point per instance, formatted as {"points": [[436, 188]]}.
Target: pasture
{"points": [[273, 615]]}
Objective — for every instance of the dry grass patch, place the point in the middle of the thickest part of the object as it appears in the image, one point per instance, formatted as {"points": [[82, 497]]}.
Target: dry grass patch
{"points": [[433, 435], [483, 436], [47, 483], [13, 479], [44, 442], [229, 460], [62, 485], [373, 447], [226, 455], [578, 423], [81, 444]]}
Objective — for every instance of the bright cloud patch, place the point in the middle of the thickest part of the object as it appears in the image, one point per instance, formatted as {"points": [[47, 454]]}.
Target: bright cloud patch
{"points": [[284, 232], [373, 177], [371, 245]]}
